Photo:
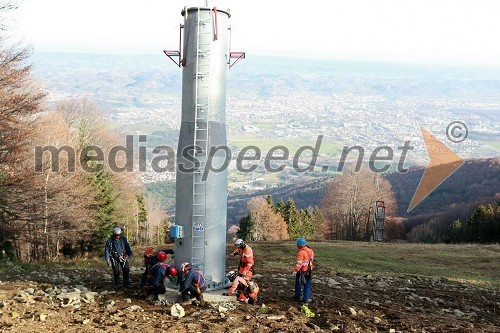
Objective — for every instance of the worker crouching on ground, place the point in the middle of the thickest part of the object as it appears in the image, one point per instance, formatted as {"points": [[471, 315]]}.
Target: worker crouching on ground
{"points": [[245, 252], [155, 283], [151, 259], [303, 271], [116, 253], [192, 284], [246, 291]]}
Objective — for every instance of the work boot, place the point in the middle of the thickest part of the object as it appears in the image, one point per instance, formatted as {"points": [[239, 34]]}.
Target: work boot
{"points": [[201, 300]]}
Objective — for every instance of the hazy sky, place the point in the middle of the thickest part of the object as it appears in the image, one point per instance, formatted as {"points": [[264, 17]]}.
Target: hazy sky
{"points": [[454, 31]]}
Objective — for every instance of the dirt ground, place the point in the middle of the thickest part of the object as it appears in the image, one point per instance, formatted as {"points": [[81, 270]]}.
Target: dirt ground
{"points": [[341, 303]]}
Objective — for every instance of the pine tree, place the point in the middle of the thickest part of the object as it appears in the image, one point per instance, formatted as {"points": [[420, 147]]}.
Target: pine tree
{"points": [[105, 208], [163, 231], [142, 219], [474, 224], [292, 219], [318, 221], [454, 234], [306, 223], [270, 202], [280, 207], [246, 227]]}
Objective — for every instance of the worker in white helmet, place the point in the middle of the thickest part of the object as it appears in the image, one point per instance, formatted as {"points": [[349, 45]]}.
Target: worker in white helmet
{"points": [[116, 253], [245, 252]]}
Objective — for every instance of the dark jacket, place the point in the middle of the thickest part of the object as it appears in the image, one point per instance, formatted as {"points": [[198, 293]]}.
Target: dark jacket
{"points": [[193, 278], [116, 247], [158, 274]]}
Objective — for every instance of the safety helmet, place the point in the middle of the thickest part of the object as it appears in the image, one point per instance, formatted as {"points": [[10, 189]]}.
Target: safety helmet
{"points": [[149, 252], [240, 242], [301, 242], [231, 276], [185, 267], [172, 271], [117, 231], [161, 256]]}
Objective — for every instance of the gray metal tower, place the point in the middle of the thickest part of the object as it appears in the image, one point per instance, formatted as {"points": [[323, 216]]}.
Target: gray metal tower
{"points": [[201, 195]]}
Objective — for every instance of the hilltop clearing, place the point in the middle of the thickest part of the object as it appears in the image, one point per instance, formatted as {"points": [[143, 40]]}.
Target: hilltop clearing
{"points": [[81, 299]]}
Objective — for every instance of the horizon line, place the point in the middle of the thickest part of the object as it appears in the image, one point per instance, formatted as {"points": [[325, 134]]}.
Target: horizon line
{"points": [[325, 58]]}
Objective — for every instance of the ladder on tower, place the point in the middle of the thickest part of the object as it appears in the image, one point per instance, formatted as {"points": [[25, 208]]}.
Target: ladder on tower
{"points": [[202, 107]]}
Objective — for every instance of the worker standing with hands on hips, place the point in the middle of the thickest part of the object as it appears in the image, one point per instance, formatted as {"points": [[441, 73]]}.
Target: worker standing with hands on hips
{"points": [[303, 271]]}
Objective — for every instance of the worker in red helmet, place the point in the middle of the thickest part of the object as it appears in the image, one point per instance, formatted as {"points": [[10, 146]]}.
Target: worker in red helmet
{"points": [[245, 252], [192, 284], [151, 259], [247, 291], [157, 275]]}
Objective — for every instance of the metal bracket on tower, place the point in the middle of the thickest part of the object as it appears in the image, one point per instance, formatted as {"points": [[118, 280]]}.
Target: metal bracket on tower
{"points": [[172, 55], [177, 54], [235, 55]]}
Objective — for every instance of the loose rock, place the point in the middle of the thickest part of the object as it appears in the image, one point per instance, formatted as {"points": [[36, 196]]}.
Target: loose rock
{"points": [[177, 311], [353, 312]]}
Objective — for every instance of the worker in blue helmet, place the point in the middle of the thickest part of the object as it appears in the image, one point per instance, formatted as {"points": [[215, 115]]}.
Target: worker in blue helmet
{"points": [[117, 253], [303, 271]]}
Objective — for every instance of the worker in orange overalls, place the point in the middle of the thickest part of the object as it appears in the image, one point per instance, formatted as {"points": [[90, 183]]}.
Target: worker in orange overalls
{"points": [[245, 269], [247, 291], [303, 271]]}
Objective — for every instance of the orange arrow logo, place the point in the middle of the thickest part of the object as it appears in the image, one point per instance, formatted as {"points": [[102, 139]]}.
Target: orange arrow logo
{"points": [[442, 163]]}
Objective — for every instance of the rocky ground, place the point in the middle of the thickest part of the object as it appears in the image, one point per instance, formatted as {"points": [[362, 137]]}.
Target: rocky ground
{"points": [[82, 300]]}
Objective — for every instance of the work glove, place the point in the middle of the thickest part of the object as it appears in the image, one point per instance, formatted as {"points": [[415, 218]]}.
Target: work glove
{"points": [[294, 273], [307, 312]]}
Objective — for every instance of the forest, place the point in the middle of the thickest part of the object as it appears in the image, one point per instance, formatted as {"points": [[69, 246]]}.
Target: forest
{"points": [[58, 206]]}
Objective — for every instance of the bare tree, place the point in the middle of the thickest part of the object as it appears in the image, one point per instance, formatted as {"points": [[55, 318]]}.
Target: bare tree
{"points": [[53, 207], [20, 98], [268, 225], [348, 203], [156, 218]]}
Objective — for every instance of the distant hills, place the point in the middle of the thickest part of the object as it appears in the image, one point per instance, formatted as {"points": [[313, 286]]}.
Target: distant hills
{"points": [[475, 182], [131, 80]]}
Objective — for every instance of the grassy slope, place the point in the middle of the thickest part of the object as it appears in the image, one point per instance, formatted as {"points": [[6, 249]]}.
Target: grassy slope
{"points": [[477, 264]]}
